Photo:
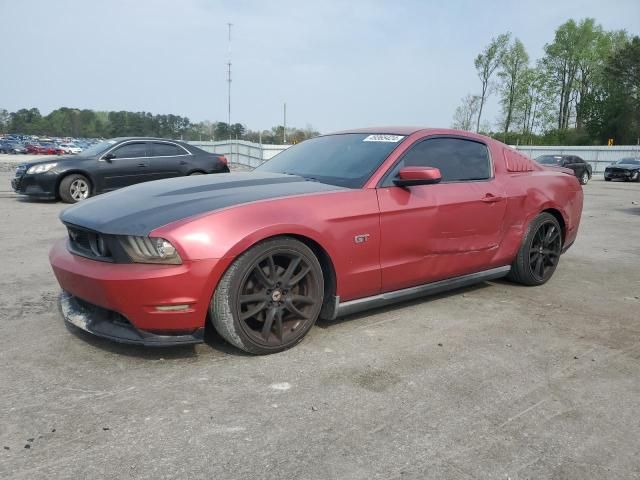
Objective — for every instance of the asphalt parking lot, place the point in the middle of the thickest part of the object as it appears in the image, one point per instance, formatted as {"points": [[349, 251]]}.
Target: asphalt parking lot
{"points": [[494, 381]]}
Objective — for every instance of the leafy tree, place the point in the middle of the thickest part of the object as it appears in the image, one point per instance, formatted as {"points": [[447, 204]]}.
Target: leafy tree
{"points": [[514, 64], [5, 118], [613, 110], [466, 112], [486, 64]]}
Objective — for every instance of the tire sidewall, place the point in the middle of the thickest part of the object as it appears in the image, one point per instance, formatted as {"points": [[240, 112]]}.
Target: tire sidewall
{"points": [[64, 189], [535, 226], [241, 269], [585, 178]]}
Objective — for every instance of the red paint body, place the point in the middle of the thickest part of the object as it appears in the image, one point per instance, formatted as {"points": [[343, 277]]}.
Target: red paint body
{"points": [[416, 235]]}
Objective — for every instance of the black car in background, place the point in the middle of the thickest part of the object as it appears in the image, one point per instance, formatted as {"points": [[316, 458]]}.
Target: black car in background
{"points": [[580, 168], [627, 169], [113, 164]]}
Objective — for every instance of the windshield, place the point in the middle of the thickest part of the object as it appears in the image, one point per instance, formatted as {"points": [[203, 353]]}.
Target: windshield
{"points": [[98, 148], [346, 160], [549, 159], [628, 161]]}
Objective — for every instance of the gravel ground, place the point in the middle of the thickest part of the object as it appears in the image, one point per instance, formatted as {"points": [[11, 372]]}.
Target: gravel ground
{"points": [[495, 381]]}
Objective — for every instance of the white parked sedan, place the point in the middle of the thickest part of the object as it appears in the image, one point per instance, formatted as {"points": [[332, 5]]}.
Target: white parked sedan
{"points": [[70, 148]]}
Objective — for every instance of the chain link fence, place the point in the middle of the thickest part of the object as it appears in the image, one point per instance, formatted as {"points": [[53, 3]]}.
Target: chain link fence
{"points": [[251, 155]]}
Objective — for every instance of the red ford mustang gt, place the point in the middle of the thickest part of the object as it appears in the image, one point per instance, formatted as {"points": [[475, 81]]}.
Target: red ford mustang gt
{"points": [[330, 226]]}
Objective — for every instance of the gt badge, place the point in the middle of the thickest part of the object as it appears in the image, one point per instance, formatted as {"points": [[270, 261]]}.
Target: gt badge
{"points": [[361, 238]]}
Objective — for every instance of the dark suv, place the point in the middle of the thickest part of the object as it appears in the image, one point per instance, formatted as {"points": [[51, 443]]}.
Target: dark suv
{"points": [[580, 168], [113, 164]]}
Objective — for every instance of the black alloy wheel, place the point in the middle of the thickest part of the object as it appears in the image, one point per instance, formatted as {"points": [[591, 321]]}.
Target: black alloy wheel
{"points": [[277, 297], [270, 297], [545, 251], [539, 253]]}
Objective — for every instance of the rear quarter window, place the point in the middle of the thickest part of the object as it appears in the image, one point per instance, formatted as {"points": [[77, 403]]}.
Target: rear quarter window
{"points": [[516, 161]]}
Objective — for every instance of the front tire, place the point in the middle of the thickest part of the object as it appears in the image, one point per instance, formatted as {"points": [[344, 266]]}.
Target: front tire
{"points": [[74, 188], [539, 253], [269, 298]]}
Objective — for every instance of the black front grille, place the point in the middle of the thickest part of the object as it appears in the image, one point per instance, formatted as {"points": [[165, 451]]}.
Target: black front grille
{"points": [[89, 244], [618, 170]]}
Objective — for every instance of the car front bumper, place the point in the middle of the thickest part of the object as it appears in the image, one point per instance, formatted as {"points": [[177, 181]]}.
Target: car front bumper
{"points": [[41, 185], [624, 175], [112, 326], [132, 302]]}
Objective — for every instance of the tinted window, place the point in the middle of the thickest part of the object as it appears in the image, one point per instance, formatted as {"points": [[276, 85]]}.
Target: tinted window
{"points": [[549, 159], [131, 150], [98, 148], [346, 160], [629, 161], [457, 160], [577, 160], [167, 150]]}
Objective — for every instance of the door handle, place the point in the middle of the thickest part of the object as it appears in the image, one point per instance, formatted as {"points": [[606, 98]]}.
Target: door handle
{"points": [[142, 165], [490, 198]]}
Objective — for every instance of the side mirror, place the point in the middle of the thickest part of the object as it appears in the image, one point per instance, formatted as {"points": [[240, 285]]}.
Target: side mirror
{"points": [[408, 176], [109, 156]]}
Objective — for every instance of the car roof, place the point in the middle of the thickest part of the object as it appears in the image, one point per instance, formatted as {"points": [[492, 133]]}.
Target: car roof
{"points": [[121, 139], [409, 130]]}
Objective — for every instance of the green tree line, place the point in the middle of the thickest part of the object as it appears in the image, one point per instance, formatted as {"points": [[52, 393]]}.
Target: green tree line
{"points": [[84, 123], [585, 89]]}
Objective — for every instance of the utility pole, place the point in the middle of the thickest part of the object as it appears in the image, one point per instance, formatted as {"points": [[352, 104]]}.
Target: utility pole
{"points": [[284, 130], [229, 81], [229, 93]]}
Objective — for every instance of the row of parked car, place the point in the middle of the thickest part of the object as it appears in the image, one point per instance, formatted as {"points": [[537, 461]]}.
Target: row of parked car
{"points": [[627, 169], [21, 144]]}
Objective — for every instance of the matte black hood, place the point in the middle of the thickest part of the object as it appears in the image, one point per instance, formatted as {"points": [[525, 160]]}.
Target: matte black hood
{"points": [[139, 209]]}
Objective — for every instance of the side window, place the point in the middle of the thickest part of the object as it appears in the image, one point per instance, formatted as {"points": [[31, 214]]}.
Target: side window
{"points": [[577, 160], [131, 150], [457, 159], [167, 150]]}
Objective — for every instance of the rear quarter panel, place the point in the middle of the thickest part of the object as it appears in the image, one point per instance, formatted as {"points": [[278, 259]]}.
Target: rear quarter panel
{"points": [[530, 189]]}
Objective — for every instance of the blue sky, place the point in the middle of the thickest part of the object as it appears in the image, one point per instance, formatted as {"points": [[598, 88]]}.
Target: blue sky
{"points": [[337, 64]]}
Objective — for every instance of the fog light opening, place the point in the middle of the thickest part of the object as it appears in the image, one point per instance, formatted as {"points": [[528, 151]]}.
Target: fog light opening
{"points": [[173, 308]]}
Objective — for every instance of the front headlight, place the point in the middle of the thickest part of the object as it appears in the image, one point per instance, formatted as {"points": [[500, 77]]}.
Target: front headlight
{"points": [[150, 250], [43, 167]]}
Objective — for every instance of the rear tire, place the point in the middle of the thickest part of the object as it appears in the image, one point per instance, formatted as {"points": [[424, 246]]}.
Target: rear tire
{"points": [[584, 179], [607, 179], [74, 188], [196, 173], [539, 253], [269, 298]]}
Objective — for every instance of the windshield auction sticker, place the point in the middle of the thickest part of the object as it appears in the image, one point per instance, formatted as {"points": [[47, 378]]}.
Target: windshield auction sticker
{"points": [[384, 138]]}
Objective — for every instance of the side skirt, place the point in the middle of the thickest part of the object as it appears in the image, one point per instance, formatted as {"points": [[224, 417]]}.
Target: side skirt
{"points": [[375, 301]]}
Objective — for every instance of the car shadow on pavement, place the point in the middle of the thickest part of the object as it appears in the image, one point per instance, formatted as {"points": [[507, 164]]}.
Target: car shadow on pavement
{"points": [[408, 303], [211, 339], [630, 211], [138, 351], [25, 199]]}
